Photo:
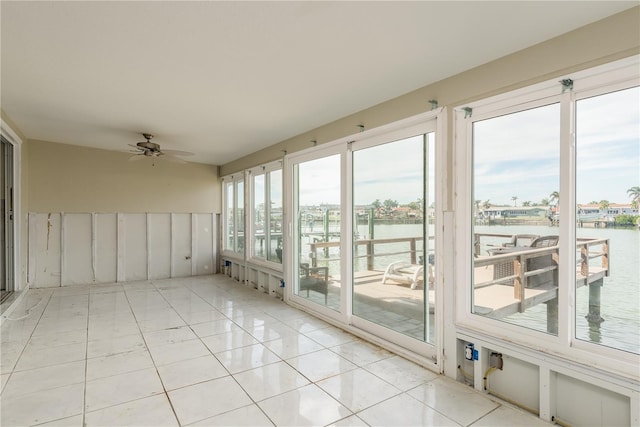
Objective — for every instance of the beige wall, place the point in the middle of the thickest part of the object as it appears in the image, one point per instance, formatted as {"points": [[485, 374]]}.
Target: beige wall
{"points": [[66, 178], [613, 38]]}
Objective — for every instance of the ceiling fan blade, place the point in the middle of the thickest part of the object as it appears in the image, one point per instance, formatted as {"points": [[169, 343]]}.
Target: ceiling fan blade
{"points": [[134, 146], [177, 153], [172, 159], [136, 157]]}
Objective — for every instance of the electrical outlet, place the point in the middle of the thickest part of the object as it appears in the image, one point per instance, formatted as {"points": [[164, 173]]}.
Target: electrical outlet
{"points": [[495, 360], [468, 351]]}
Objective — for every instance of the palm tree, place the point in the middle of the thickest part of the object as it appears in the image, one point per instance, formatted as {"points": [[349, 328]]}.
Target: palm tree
{"points": [[486, 204], [604, 205], [544, 202], [526, 203], [634, 193], [514, 198], [554, 198]]}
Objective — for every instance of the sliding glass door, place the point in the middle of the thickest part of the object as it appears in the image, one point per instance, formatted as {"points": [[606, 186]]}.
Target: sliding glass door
{"points": [[362, 221], [317, 221], [394, 238]]}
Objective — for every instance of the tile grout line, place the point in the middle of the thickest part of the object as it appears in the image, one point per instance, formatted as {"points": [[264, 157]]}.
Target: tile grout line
{"points": [[166, 394], [86, 362], [216, 358], [13, 369]]}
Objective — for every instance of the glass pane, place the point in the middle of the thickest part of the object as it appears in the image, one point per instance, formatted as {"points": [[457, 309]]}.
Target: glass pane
{"points": [[607, 236], [318, 231], [515, 233], [275, 216], [229, 216], [392, 281], [240, 217], [259, 217]]}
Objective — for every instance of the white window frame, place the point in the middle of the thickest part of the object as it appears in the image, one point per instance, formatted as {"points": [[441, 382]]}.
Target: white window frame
{"points": [[264, 170], [607, 78], [432, 121], [234, 179]]}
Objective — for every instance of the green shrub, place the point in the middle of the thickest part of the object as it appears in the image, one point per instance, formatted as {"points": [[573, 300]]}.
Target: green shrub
{"points": [[627, 220]]}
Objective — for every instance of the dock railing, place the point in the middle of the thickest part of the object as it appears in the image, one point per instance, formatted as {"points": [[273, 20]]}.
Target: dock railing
{"points": [[371, 253], [538, 267]]}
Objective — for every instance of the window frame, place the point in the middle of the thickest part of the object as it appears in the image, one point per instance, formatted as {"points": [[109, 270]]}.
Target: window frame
{"points": [[595, 81], [264, 170], [234, 180], [432, 121]]}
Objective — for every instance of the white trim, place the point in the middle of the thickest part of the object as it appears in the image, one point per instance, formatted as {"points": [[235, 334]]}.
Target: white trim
{"points": [[566, 266], [94, 246], [172, 245], [63, 267], [147, 244], [194, 243], [121, 274]]}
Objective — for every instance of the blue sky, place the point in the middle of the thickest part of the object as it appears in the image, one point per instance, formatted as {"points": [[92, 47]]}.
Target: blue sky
{"points": [[608, 146], [389, 171], [514, 155], [518, 154]]}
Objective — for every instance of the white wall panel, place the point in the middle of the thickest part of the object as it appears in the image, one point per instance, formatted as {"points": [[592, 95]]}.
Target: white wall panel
{"points": [[77, 249], [106, 247], [159, 228], [82, 248], [44, 249], [135, 246], [181, 239], [204, 237]]}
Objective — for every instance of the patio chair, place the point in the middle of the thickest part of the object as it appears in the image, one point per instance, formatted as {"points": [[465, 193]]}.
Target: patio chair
{"points": [[545, 241], [314, 279], [549, 277], [518, 240], [404, 272]]}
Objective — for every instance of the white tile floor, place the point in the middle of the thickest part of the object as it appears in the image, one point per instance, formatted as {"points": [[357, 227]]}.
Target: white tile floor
{"points": [[207, 351]]}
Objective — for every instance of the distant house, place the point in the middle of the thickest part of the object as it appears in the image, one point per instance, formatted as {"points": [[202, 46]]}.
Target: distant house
{"points": [[613, 210], [524, 212]]}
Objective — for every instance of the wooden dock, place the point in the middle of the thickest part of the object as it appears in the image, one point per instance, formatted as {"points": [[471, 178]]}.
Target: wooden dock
{"points": [[511, 281], [514, 282]]}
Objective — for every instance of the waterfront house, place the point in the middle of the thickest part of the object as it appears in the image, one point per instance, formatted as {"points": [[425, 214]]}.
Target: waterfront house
{"points": [[144, 292], [613, 209], [522, 212]]}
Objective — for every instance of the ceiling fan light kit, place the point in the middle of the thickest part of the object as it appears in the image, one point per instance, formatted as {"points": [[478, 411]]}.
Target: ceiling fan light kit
{"points": [[151, 149]]}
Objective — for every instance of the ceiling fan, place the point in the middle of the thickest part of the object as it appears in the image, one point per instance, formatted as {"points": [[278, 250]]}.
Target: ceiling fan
{"points": [[151, 149]]}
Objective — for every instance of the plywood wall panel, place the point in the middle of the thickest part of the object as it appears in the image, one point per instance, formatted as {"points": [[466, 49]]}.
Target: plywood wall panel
{"points": [[85, 248], [204, 239], [134, 233], [44, 248], [106, 247], [77, 249], [159, 228], [181, 239]]}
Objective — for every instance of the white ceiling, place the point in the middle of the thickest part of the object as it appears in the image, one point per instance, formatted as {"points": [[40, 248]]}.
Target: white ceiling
{"points": [[224, 79]]}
